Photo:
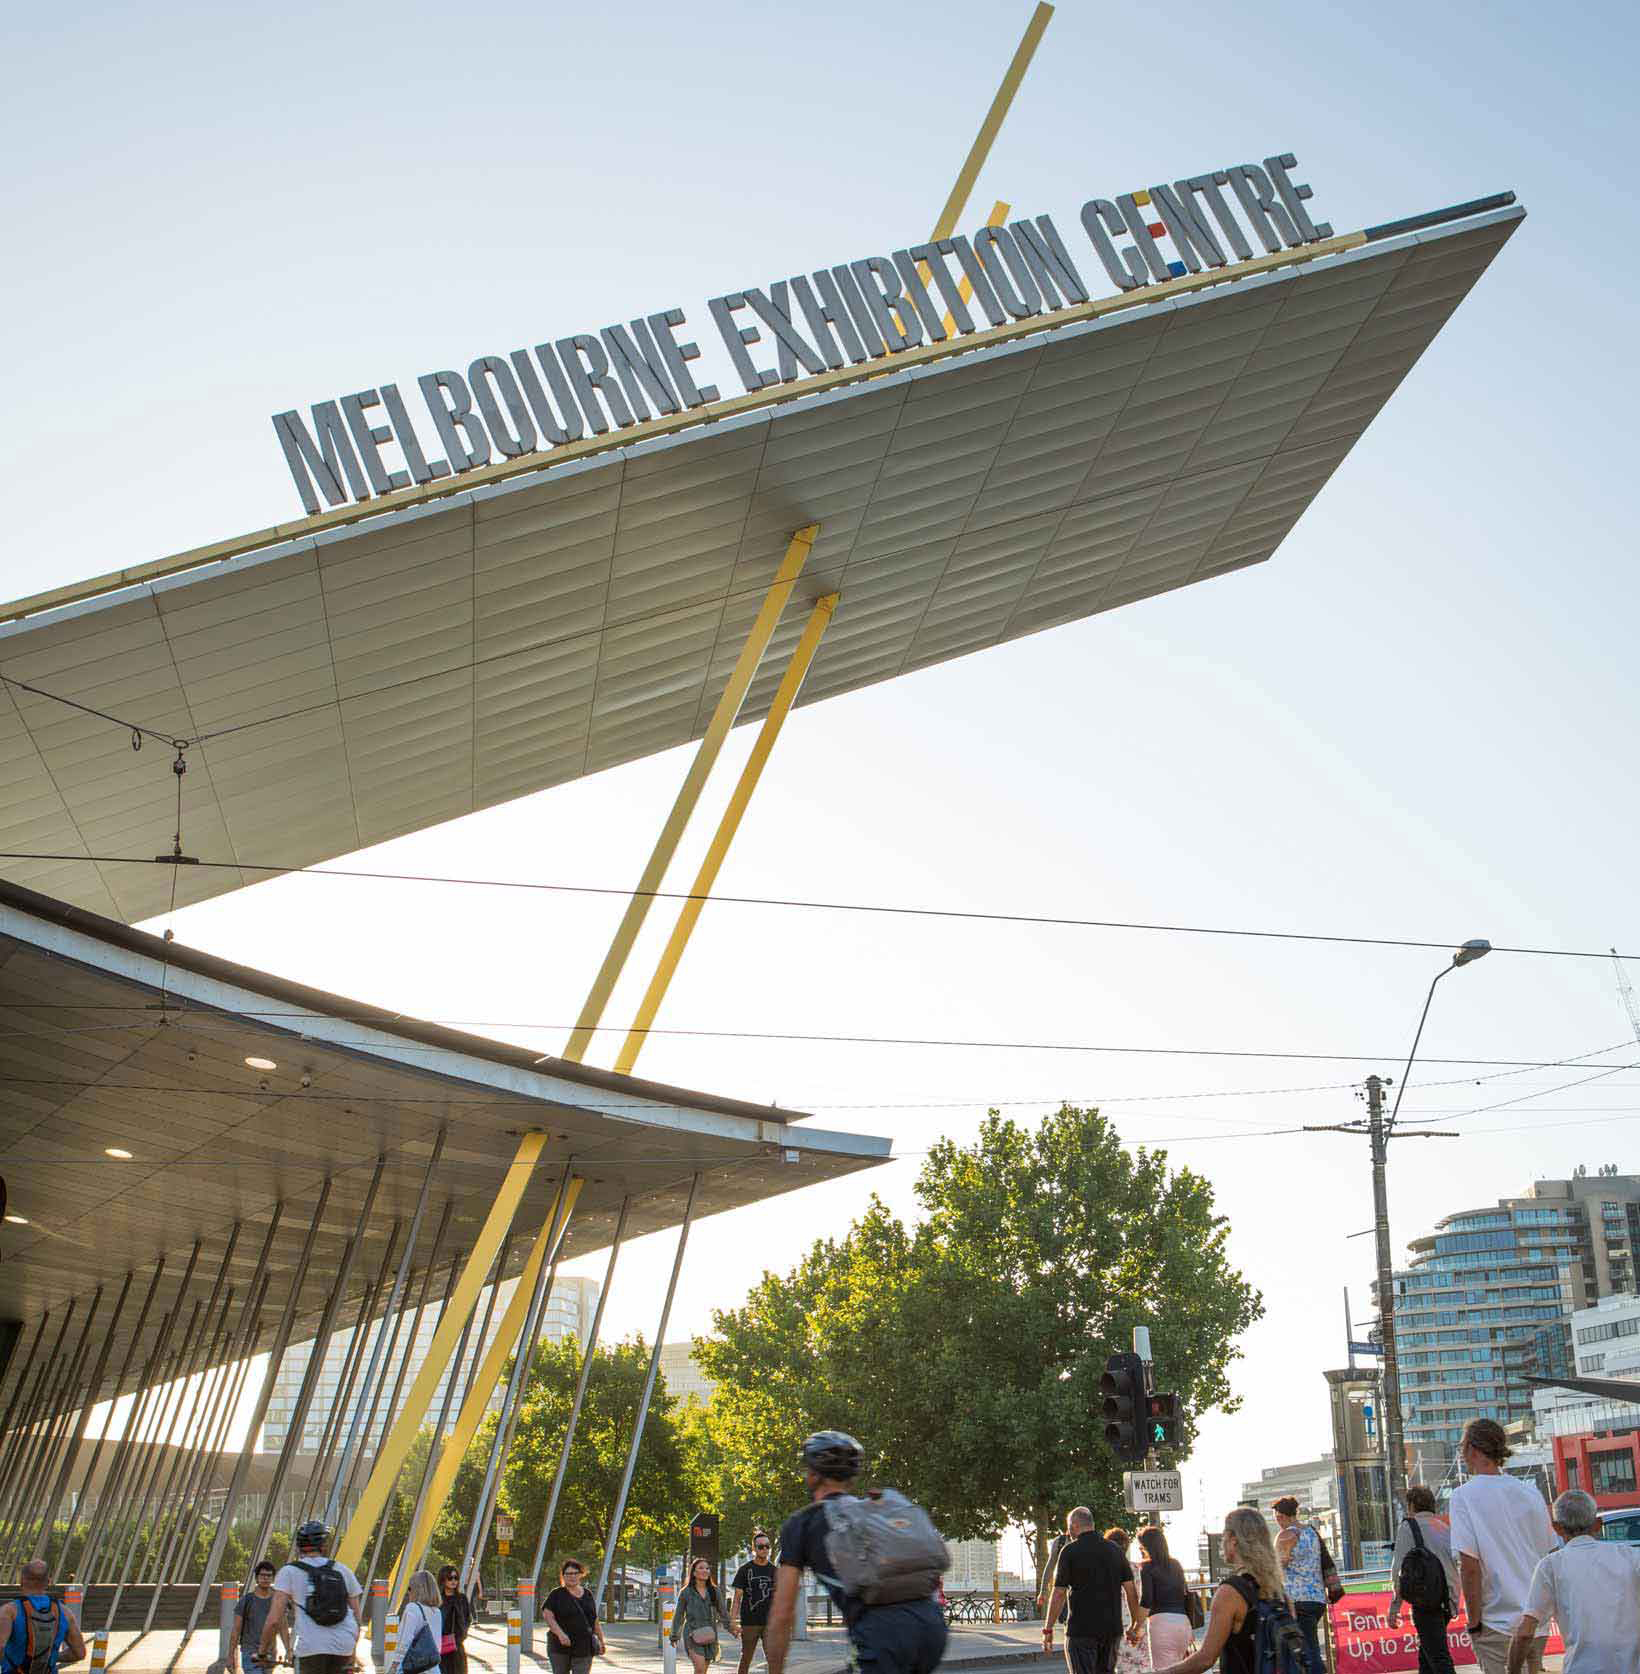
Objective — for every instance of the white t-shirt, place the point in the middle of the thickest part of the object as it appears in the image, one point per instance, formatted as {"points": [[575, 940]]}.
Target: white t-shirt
{"points": [[311, 1639], [1592, 1589], [1503, 1522]]}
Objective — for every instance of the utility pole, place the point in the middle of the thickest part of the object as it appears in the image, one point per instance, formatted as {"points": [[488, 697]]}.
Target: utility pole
{"points": [[1378, 1132], [1390, 1375]]}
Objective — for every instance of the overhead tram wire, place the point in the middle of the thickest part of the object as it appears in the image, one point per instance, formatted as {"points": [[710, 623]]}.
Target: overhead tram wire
{"points": [[805, 904]]}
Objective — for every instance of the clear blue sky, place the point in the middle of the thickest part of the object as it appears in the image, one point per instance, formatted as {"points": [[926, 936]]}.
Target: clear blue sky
{"points": [[1418, 720]]}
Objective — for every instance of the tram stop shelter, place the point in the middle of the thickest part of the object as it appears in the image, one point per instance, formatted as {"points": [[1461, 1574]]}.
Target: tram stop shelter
{"points": [[219, 1163]]}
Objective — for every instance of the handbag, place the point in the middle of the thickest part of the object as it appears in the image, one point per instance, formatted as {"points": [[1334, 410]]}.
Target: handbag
{"points": [[703, 1636], [1331, 1585], [1193, 1609], [423, 1652]]}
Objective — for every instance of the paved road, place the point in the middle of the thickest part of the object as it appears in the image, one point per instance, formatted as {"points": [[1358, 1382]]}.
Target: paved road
{"points": [[633, 1649]]}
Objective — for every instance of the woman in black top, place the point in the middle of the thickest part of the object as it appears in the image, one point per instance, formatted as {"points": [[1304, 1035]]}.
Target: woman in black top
{"points": [[1166, 1598], [1232, 1623], [572, 1622], [456, 1612]]}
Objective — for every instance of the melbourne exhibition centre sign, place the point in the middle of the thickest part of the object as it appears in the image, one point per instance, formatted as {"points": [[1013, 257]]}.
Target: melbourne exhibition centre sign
{"points": [[530, 401]]}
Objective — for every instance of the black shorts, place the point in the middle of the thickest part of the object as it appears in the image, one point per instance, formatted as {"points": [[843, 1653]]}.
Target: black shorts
{"points": [[1090, 1656]]}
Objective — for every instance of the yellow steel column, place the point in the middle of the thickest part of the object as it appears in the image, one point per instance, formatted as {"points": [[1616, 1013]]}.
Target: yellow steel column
{"points": [[791, 683], [482, 1383], [983, 140], [723, 718], [396, 1443]]}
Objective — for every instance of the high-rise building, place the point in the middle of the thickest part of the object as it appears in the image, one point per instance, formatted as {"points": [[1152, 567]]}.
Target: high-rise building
{"points": [[681, 1373], [568, 1313], [973, 1566], [1488, 1298]]}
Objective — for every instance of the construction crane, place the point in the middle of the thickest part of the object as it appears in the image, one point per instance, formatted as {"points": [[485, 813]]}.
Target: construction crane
{"points": [[1625, 993]]}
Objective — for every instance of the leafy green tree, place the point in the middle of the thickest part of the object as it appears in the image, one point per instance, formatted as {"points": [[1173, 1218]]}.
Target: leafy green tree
{"points": [[668, 1486], [967, 1354]]}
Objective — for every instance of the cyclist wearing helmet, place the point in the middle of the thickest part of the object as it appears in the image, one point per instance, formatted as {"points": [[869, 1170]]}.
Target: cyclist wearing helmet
{"points": [[902, 1638]]}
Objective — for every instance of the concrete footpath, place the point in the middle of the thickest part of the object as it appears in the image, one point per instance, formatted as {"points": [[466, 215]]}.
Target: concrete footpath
{"points": [[633, 1649]]}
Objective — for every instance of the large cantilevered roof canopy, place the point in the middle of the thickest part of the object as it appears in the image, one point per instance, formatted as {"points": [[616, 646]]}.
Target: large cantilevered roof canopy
{"points": [[356, 683], [112, 1038]]}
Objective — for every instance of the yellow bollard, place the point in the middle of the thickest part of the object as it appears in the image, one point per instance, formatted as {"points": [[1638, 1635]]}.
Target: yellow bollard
{"points": [[390, 1639], [99, 1649], [514, 1655]]}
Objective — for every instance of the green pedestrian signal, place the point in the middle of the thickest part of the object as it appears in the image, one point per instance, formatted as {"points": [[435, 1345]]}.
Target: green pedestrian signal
{"points": [[1164, 1418]]}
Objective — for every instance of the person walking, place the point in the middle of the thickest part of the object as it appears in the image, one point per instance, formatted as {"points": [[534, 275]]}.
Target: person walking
{"points": [[249, 1617], [34, 1620], [1232, 1623], [456, 1614], [905, 1636], [325, 1597], [1298, 1546], [1592, 1589], [1133, 1648], [1500, 1529], [1095, 1575], [696, 1616], [1428, 1583], [750, 1595], [1165, 1594], [420, 1611], [573, 1635]]}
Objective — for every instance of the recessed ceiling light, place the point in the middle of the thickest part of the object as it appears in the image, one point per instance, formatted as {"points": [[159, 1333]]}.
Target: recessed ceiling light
{"points": [[261, 1063], [18, 1220], [115, 1151]]}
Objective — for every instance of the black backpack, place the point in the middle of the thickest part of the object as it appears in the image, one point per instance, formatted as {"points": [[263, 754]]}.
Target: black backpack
{"points": [[1423, 1578], [326, 1604], [1278, 1644]]}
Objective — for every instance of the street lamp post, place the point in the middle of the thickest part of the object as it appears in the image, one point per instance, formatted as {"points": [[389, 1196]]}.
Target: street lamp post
{"points": [[1379, 1132]]}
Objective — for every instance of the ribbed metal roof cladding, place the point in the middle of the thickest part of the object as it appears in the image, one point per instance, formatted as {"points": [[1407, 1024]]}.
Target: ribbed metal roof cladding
{"points": [[391, 675], [110, 1037]]}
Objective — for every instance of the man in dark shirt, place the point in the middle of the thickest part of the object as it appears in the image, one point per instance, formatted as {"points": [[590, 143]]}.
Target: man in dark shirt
{"points": [[249, 1617], [1096, 1574], [753, 1594], [904, 1638]]}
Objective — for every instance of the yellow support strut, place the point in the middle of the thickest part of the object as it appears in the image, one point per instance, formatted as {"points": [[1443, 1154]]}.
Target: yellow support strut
{"points": [[988, 129], [482, 1384], [396, 1443], [711, 746], [791, 683]]}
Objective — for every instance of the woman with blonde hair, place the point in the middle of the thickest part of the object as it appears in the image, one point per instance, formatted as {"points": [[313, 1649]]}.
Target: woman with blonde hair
{"points": [[420, 1613], [1232, 1625]]}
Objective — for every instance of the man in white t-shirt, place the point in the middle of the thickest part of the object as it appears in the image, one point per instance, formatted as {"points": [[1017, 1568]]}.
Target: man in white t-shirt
{"points": [[1592, 1589], [1500, 1529], [324, 1645]]}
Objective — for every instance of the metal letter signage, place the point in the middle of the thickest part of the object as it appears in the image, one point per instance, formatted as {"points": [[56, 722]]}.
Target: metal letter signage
{"points": [[528, 402]]}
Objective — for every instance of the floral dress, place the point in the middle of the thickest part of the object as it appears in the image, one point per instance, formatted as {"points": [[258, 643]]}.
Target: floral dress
{"points": [[1131, 1658]]}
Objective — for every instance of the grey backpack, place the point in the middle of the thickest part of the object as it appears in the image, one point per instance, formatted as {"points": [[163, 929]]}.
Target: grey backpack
{"points": [[883, 1550]]}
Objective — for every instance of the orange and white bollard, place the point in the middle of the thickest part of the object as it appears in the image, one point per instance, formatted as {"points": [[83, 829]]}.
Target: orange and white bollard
{"points": [[74, 1602], [378, 1622], [224, 1626], [526, 1619]]}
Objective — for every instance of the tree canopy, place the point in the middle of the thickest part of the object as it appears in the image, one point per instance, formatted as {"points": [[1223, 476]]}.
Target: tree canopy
{"points": [[966, 1353]]}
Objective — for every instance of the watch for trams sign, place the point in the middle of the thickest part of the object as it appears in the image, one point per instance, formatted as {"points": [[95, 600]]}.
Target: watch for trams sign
{"points": [[529, 401]]}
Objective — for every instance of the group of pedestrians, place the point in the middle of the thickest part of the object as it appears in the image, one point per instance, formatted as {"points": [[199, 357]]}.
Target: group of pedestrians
{"points": [[1117, 1622]]}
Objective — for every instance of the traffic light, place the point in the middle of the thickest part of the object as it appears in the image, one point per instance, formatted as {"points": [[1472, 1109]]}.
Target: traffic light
{"points": [[1166, 1420], [1123, 1390]]}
